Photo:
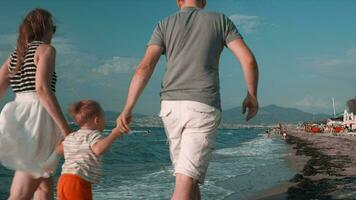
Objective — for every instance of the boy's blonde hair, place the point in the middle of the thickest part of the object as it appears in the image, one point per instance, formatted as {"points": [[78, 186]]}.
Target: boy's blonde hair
{"points": [[84, 111]]}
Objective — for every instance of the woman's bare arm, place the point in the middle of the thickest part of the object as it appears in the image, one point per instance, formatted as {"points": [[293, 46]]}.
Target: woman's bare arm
{"points": [[4, 77], [45, 69], [60, 149]]}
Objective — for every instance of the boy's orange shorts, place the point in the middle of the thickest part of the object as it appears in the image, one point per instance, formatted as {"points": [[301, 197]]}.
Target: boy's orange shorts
{"points": [[73, 187]]}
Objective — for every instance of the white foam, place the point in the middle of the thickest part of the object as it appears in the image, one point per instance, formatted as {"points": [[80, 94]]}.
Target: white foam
{"points": [[226, 163], [255, 147]]}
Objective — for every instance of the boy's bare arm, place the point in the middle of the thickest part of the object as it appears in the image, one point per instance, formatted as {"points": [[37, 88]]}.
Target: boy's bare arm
{"points": [[103, 145]]}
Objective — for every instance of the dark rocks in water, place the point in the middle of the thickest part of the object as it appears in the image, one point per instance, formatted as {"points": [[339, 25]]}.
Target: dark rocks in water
{"points": [[319, 163], [309, 170], [297, 178], [323, 189], [308, 189]]}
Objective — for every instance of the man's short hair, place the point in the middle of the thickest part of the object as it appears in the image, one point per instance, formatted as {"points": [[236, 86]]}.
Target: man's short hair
{"points": [[195, 0], [198, 1]]}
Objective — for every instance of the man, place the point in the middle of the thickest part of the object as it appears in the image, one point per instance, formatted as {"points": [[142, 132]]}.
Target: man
{"points": [[192, 41]]}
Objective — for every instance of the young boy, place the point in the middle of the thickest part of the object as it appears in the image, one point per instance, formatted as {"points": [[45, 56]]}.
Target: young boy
{"points": [[82, 152]]}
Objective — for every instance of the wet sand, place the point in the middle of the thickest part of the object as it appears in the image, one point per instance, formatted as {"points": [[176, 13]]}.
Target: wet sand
{"points": [[325, 166]]}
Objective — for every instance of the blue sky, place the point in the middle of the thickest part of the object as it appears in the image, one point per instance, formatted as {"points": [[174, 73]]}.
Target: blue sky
{"points": [[306, 50]]}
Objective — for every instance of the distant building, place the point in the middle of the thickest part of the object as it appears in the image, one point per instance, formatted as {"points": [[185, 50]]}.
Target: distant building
{"points": [[349, 120]]}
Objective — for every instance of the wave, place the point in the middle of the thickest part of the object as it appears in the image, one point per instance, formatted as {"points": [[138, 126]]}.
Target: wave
{"points": [[256, 147]]}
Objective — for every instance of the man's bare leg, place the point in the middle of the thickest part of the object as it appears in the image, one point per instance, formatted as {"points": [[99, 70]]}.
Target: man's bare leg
{"points": [[185, 188], [197, 192]]}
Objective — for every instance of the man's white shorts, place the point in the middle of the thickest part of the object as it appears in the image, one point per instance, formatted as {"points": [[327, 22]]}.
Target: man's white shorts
{"points": [[191, 129]]}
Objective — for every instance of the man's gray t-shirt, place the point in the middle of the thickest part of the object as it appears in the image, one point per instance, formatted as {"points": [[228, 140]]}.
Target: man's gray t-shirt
{"points": [[193, 40]]}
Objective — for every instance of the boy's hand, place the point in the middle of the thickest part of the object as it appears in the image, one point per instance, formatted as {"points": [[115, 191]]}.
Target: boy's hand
{"points": [[123, 122], [117, 132]]}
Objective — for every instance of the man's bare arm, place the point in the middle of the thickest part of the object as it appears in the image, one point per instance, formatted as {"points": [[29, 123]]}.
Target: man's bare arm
{"points": [[250, 70], [139, 81]]}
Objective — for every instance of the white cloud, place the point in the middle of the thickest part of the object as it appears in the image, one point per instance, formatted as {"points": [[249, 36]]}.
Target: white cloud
{"points": [[8, 39], [246, 23], [313, 104], [117, 65], [337, 67], [63, 45], [7, 44], [351, 52]]}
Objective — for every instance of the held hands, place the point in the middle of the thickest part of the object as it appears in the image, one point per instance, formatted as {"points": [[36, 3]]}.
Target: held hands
{"points": [[123, 122], [251, 104], [117, 132]]}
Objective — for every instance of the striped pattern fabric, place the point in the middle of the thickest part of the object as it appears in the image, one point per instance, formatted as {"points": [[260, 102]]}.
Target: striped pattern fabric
{"points": [[79, 159], [25, 79]]}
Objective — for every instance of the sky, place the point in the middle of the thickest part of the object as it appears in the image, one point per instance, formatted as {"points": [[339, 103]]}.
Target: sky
{"points": [[306, 50]]}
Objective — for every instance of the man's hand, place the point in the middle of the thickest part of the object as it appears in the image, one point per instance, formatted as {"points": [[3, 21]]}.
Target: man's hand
{"points": [[251, 104], [123, 122]]}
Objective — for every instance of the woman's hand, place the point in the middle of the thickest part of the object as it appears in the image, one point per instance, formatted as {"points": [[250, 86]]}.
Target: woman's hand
{"points": [[66, 131]]}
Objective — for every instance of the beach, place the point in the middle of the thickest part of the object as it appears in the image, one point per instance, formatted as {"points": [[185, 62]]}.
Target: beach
{"points": [[246, 165], [138, 166], [325, 167]]}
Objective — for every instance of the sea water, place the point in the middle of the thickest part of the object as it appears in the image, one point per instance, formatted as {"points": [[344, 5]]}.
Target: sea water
{"points": [[138, 166]]}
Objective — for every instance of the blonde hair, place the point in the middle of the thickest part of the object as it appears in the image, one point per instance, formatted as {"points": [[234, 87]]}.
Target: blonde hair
{"points": [[84, 111]]}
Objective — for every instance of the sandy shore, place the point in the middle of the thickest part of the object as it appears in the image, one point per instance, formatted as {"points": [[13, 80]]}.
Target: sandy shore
{"points": [[325, 166]]}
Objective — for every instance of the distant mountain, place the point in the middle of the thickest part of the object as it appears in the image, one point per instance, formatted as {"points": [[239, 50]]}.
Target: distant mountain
{"points": [[267, 115], [271, 114], [112, 116]]}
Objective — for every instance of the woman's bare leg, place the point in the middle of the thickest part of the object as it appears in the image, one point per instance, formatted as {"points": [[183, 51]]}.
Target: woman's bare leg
{"points": [[23, 186], [45, 190]]}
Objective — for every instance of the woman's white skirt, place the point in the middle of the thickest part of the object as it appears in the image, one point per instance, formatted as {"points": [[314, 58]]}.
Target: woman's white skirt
{"points": [[28, 137]]}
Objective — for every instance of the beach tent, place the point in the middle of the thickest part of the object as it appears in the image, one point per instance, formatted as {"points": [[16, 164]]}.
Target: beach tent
{"points": [[334, 122]]}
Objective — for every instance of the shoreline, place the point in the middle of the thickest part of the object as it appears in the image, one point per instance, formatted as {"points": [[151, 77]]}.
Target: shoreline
{"points": [[325, 167]]}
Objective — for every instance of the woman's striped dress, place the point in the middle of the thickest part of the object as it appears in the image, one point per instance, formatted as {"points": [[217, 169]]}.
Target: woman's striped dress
{"points": [[24, 79], [28, 134]]}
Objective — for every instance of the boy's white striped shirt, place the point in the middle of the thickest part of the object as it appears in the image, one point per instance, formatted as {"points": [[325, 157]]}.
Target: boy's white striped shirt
{"points": [[79, 158]]}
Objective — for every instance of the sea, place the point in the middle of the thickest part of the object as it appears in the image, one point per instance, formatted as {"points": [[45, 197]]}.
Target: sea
{"points": [[245, 162]]}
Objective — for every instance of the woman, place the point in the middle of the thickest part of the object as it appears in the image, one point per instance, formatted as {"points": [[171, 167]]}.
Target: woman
{"points": [[33, 124]]}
